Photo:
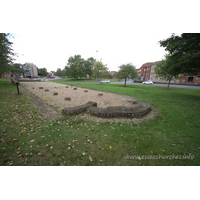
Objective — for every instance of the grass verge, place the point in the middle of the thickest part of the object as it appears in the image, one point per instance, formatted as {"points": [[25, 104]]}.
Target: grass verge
{"points": [[171, 138]]}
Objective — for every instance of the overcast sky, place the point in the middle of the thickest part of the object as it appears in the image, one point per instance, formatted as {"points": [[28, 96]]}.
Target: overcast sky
{"points": [[48, 33]]}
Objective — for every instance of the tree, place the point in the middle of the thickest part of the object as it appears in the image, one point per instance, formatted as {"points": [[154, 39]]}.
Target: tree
{"points": [[42, 72], [100, 70], [6, 53], [184, 52], [59, 72], [165, 69], [89, 65], [75, 67], [127, 71], [17, 67]]}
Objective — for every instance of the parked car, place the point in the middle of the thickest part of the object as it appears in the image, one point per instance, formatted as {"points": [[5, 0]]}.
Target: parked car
{"points": [[148, 82], [105, 81]]}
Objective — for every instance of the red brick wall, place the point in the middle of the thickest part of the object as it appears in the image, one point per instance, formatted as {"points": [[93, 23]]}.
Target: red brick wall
{"points": [[146, 71], [6, 75], [185, 79]]}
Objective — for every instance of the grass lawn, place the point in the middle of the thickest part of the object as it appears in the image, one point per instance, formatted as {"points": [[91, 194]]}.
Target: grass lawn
{"points": [[88, 80], [28, 139]]}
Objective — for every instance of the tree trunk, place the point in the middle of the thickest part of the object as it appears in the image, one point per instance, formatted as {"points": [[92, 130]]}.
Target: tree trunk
{"points": [[125, 83], [168, 84]]}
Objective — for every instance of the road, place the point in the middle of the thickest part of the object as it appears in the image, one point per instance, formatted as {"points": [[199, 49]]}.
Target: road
{"points": [[162, 85]]}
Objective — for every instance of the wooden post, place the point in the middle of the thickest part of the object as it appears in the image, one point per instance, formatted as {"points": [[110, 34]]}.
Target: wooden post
{"points": [[17, 87]]}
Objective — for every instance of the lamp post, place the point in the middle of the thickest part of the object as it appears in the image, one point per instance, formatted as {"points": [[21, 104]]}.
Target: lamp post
{"points": [[96, 61]]}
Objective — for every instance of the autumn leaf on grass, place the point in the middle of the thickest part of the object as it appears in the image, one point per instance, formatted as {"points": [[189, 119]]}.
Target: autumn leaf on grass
{"points": [[151, 151], [32, 141], [90, 158], [110, 147], [83, 153]]}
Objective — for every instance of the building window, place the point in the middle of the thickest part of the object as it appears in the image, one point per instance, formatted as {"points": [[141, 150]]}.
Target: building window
{"points": [[156, 79], [190, 78], [160, 79], [197, 78]]}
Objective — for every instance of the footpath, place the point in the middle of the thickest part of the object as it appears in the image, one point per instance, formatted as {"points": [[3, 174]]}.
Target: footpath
{"points": [[47, 111]]}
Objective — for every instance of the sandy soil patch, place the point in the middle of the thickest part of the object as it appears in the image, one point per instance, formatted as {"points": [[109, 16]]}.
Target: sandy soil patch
{"points": [[79, 97]]}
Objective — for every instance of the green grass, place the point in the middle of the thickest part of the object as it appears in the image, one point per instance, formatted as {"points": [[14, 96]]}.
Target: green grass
{"points": [[71, 141], [85, 80]]}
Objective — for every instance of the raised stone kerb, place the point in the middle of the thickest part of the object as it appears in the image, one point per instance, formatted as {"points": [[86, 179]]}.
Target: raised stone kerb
{"points": [[78, 109], [137, 110]]}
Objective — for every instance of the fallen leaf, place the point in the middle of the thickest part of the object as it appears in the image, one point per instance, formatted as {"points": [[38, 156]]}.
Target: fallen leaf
{"points": [[83, 153], [19, 148], [151, 151], [25, 159], [163, 150], [90, 158], [32, 141], [110, 147], [39, 154]]}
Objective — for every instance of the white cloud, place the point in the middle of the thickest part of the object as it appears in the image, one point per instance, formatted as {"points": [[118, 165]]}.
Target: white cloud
{"points": [[122, 31]]}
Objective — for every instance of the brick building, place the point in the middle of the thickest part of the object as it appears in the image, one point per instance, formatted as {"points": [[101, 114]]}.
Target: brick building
{"points": [[31, 70], [144, 71], [190, 79]]}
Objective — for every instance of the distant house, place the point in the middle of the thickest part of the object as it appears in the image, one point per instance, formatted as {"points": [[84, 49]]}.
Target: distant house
{"points": [[49, 75], [155, 78], [112, 73], [30, 70], [189, 79], [6, 75], [144, 71]]}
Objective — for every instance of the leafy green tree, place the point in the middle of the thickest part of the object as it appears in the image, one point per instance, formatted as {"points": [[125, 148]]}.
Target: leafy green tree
{"points": [[89, 65], [16, 67], [127, 71], [184, 52], [75, 67], [42, 72], [100, 70], [6, 53], [165, 69], [59, 72]]}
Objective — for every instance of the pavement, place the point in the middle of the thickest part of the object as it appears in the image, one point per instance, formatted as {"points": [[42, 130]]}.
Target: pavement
{"points": [[47, 111]]}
